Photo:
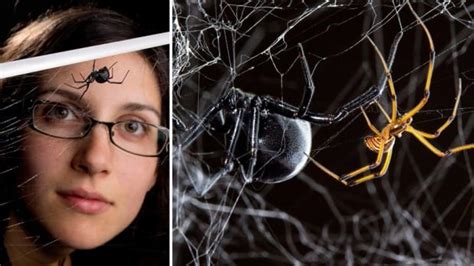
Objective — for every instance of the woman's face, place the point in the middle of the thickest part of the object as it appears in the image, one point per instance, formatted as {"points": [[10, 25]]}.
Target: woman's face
{"points": [[86, 191]]}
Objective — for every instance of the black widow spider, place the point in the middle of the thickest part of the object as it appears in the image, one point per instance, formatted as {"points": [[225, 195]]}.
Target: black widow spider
{"points": [[277, 135], [100, 76]]}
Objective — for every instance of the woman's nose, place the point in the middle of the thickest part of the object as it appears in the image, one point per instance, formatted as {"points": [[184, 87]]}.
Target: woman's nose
{"points": [[94, 152]]}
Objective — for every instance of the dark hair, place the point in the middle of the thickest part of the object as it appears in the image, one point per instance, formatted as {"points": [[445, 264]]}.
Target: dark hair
{"points": [[146, 239]]}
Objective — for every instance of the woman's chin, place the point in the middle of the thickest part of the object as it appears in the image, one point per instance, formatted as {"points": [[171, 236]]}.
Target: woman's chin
{"points": [[84, 241], [81, 235]]}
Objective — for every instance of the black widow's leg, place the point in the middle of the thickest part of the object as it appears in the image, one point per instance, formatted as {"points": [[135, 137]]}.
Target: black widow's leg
{"points": [[79, 87], [87, 87], [255, 106], [84, 80], [196, 129], [229, 160], [180, 116], [111, 69], [119, 82], [309, 90], [301, 112]]}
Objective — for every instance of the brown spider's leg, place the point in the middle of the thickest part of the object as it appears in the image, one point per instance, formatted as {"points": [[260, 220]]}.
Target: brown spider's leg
{"points": [[371, 126], [460, 148], [382, 171], [448, 121], [383, 111], [435, 150], [393, 94], [326, 170], [379, 153], [424, 141], [429, 75], [346, 179], [366, 168]]}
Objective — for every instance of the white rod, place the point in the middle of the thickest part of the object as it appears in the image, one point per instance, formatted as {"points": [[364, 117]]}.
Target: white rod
{"points": [[44, 62]]}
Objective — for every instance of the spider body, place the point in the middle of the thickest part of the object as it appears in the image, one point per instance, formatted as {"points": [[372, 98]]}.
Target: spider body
{"points": [[266, 139], [102, 75], [387, 136], [383, 141], [282, 142]]}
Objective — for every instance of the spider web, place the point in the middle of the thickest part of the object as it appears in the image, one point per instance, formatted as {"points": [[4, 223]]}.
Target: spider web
{"points": [[420, 212]]}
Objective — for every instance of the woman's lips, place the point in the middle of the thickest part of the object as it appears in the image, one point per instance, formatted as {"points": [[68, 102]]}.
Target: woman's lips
{"points": [[85, 201]]}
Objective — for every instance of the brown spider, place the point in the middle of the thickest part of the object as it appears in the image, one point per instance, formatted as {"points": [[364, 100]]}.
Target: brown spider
{"points": [[382, 141]]}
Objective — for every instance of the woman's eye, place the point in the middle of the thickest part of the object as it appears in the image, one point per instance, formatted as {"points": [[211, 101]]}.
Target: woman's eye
{"points": [[60, 112], [134, 127]]}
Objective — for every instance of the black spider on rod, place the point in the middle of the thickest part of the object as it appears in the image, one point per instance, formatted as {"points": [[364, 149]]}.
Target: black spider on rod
{"points": [[276, 135], [102, 75]]}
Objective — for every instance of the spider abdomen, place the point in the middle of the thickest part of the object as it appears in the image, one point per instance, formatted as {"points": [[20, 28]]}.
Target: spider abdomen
{"points": [[374, 143], [102, 75], [282, 147]]}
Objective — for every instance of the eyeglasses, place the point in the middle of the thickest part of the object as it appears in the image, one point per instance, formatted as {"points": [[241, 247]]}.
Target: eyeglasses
{"points": [[64, 121]]}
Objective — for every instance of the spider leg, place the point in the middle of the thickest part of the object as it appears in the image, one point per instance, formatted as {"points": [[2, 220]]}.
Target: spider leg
{"points": [[447, 122], [366, 98], [79, 81], [383, 111], [382, 172], [374, 92], [87, 87], [309, 90], [371, 126], [429, 74], [378, 161], [433, 149], [229, 160], [288, 110], [119, 82], [254, 126], [80, 87], [111, 68], [388, 74], [326, 170], [347, 179], [196, 129], [350, 180], [380, 153]]}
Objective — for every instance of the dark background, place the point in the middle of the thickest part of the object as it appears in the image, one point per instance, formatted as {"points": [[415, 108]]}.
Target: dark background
{"points": [[154, 20]]}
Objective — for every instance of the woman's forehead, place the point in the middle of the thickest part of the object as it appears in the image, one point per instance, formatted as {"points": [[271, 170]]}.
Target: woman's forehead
{"points": [[111, 81]]}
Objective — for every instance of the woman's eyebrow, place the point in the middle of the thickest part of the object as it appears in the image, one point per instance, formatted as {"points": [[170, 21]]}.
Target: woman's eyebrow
{"points": [[66, 94], [141, 107]]}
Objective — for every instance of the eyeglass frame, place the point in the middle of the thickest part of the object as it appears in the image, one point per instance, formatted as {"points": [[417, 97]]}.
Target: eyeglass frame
{"points": [[92, 124]]}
